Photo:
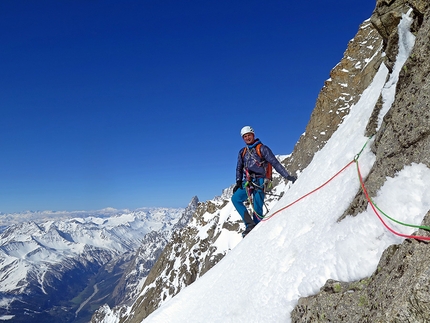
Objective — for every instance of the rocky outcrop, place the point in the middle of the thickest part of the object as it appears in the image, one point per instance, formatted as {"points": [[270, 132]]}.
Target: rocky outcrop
{"points": [[403, 135], [398, 291]]}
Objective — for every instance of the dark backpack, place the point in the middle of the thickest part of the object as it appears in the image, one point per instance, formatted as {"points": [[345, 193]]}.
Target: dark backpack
{"points": [[268, 165]]}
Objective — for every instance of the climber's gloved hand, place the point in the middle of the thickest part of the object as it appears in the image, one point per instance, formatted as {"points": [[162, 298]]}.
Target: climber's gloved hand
{"points": [[237, 186]]}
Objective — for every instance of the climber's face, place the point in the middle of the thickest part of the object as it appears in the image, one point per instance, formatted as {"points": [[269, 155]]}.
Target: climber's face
{"points": [[248, 138]]}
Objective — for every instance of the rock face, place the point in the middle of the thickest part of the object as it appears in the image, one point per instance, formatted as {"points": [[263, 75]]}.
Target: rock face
{"points": [[398, 291]]}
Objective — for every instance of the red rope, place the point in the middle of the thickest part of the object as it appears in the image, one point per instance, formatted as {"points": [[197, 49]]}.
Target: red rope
{"points": [[301, 198], [367, 197], [379, 216]]}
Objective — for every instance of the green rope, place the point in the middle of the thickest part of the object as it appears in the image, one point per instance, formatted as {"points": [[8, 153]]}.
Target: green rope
{"points": [[364, 146], [424, 227]]}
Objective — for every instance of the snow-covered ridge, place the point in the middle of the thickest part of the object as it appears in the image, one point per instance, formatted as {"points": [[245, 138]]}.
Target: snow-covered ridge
{"points": [[8, 219]]}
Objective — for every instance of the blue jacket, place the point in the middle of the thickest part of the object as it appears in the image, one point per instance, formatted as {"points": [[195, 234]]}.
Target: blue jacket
{"points": [[254, 164]]}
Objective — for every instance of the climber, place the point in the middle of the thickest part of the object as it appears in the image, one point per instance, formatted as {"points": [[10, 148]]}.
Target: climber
{"points": [[253, 162]]}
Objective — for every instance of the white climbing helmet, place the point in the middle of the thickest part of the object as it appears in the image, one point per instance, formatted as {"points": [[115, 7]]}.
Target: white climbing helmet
{"points": [[245, 130]]}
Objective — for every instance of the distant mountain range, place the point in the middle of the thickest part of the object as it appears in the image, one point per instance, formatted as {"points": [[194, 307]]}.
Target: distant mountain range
{"points": [[48, 265], [8, 219]]}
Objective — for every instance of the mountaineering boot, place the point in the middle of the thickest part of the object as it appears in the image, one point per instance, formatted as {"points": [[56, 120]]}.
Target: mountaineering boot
{"points": [[249, 224]]}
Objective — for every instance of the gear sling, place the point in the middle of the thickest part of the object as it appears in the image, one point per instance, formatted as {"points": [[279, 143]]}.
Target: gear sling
{"points": [[250, 185]]}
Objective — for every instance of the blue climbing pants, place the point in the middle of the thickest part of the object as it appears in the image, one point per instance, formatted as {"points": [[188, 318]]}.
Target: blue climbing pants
{"points": [[240, 196]]}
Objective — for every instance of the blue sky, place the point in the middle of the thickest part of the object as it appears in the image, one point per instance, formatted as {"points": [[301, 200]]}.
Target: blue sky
{"points": [[128, 104]]}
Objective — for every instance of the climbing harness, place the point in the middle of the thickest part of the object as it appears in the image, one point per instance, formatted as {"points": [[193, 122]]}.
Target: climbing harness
{"points": [[249, 187], [374, 207]]}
